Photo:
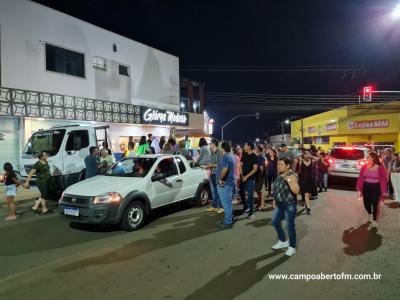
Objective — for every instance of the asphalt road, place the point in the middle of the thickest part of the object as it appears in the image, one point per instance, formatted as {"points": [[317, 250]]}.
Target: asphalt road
{"points": [[181, 255]]}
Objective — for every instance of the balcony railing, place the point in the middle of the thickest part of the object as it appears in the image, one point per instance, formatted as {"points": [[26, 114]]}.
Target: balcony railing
{"points": [[24, 103]]}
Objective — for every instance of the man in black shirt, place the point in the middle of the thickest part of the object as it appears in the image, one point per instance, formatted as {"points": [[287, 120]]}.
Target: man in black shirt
{"points": [[248, 170]]}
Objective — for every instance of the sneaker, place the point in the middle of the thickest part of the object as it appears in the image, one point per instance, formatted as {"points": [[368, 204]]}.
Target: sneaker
{"points": [[374, 224], [370, 218], [246, 211], [308, 212], [211, 209], [290, 251], [225, 226], [280, 245], [250, 216], [220, 211]]}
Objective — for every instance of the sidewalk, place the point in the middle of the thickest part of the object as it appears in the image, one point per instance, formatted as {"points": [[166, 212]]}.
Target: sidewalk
{"points": [[23, 195]]}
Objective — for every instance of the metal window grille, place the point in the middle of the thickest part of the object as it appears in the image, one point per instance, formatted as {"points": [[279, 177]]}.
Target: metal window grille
{"points": [[24, 103]]}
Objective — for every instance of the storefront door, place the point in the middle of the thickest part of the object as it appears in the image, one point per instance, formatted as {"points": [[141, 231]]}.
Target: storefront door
{"points": [[9, 142]]}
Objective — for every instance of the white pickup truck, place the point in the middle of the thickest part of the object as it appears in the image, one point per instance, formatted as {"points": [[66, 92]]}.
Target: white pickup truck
{"points": [[132, 188]]}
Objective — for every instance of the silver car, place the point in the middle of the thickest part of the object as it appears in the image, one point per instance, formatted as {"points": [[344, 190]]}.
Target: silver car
{"points": [[347, 161]]}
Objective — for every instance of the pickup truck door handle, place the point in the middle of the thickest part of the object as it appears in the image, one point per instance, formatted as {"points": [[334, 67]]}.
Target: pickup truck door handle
{"points": [[179, 180]]}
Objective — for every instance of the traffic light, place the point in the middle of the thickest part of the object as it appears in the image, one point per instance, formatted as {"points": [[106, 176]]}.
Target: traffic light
{"points": [[367, 93], [257, 115]]}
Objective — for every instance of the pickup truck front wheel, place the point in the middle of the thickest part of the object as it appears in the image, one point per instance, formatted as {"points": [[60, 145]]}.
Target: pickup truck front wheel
{"points": [[203, 196], [134, 216]]}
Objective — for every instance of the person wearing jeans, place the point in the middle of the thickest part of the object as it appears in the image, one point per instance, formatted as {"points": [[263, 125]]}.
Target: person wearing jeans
{"points": [[394, 176], [225, 193], [225, 175], [286, 189], [214, 159], [288, 213], [372, 186], [322, 166], [247, 188], [248, 170]]}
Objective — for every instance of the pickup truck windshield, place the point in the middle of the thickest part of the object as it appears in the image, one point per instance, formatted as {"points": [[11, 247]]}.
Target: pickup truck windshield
{"points": [[131, 167], [49, 141]]}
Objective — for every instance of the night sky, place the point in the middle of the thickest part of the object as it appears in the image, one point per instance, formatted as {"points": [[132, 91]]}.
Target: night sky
{"points": [[285, 59]]}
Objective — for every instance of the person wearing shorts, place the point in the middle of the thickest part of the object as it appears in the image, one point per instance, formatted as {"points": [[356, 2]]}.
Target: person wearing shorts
{"points": [[11, 183]]}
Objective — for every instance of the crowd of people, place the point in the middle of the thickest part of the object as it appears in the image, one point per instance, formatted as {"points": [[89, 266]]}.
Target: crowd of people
{"points": [[239, 172], [281, 175], [236, 173], [153, 145]]}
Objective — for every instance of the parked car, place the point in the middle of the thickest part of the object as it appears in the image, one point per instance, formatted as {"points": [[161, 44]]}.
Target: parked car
{"points": [[133, 187], [347, 161]]}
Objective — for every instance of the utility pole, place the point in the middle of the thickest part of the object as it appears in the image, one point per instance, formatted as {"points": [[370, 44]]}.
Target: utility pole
{"points": [[302, 131]]}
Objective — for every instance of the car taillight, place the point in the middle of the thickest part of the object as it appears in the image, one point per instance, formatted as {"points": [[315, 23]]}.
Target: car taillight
{"points": [[331, 161], [362, 162]]}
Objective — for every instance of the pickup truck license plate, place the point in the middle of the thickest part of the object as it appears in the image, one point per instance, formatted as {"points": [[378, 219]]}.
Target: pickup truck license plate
{"points": [[70, 211]]}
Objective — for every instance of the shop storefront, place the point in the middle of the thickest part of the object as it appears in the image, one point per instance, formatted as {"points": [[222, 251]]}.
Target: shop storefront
{"points": [[20, 118], [345, 127]]}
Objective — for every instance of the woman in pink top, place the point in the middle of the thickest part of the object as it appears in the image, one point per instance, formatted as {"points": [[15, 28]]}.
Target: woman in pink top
{"points": [[372, 185]]}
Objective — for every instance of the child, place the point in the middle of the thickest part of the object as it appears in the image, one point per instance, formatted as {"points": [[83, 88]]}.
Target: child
{"points": [[11, 183]]}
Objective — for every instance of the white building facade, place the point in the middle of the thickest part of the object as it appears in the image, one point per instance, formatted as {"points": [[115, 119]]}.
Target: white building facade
{"points": [[56, 69], [47, 51]]}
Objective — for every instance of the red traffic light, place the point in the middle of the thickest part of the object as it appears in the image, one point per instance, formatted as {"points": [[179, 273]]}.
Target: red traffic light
{"points": [[367, 93]]}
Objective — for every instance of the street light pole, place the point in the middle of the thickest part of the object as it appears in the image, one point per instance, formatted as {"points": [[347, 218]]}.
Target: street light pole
{"points": [[257, 115], [283, 129]]}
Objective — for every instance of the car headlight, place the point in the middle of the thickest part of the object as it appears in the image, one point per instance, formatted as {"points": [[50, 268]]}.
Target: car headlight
{"points": [[112, 197]]}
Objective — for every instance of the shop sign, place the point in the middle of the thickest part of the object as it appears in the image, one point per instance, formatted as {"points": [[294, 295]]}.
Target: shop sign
{"points": [[2, 136], [328, 127], [368, 124], [164, 117], [311, 129], [211, 126], [331, 127]]}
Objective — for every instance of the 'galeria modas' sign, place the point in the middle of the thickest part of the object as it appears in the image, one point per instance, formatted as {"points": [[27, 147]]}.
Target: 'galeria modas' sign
{"points": [[368, 124], [164, 117]]}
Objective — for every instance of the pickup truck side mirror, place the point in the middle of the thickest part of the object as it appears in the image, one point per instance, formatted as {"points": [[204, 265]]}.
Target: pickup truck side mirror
{"points": [[158, 177]]}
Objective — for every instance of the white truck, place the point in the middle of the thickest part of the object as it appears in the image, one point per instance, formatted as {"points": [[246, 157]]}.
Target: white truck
{"points": [[133, 187], [67, 147]]}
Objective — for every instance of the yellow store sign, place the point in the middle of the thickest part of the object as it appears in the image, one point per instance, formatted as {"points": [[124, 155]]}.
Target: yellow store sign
{"points": [[370, 124]]}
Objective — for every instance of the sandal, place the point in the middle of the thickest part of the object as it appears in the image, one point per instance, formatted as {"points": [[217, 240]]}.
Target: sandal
{"points": [[261, 208]]}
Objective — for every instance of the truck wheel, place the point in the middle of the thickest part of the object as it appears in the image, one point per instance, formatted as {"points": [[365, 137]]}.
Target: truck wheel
{"points": [[134, 216], [203, 196]]}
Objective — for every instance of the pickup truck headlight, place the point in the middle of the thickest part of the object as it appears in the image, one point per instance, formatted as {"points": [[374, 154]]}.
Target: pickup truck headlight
{"points": [[112, 197]]}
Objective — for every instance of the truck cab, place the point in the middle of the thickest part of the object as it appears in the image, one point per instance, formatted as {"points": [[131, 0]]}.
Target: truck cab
{"points": [[67, 147]]}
